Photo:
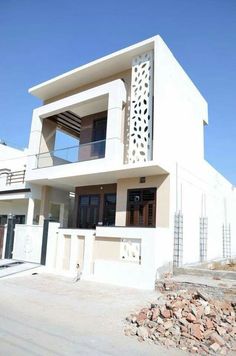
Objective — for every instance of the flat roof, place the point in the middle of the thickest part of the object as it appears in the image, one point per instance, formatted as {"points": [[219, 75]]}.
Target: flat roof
{"points": [[103, 67]]}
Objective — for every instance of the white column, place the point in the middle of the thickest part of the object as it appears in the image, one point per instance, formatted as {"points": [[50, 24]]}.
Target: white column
{"points": [[61, 215], [88, 253], [74, 253], [60, 251], [52, 246], [30, 212], [115, 123], [34, 141], [44, 204]]}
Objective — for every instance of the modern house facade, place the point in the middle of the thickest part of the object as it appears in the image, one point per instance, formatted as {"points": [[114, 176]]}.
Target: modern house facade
{"points": [[145, 198]]}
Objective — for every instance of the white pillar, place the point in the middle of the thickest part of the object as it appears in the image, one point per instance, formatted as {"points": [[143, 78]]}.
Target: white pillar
{"points": [[44, 204], [61, 215], [88, 253], [115, 123], [30, 212], [74, 253], [60, 251]]}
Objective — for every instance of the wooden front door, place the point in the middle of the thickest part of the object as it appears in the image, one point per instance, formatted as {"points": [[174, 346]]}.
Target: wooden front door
{"points": [[88, 212], [109, 211]]}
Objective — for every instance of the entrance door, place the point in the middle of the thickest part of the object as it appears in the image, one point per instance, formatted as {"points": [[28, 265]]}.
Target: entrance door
{"points": [[88, 211], [109, 209]]}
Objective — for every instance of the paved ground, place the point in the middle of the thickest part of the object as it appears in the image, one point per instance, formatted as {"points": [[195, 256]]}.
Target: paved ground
{"points": [[50, 315], [14, 267]]}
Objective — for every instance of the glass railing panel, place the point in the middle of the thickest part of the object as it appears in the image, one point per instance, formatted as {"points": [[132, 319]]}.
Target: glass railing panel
{"points": [[82, 152]]}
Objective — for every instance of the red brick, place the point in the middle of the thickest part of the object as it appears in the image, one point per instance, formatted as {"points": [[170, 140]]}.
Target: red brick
{"points": [[196, 331], [190, 317]]}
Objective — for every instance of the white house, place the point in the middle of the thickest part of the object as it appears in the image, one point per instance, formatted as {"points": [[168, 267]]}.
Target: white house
{"points": [[145, 198]]}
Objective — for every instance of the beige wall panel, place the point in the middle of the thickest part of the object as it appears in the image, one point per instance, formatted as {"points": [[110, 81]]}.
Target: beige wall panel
{"points": [[107, 249], [80, 257], [161, 182], [67, 252]]}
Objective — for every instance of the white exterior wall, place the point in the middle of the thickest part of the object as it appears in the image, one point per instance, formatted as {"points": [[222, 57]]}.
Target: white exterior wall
{"points": [[16, 207], [179, 112], [192, 186], [12, 158]]}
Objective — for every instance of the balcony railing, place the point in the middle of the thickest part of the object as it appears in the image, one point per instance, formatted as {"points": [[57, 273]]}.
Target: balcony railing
{"points": [[8, 178], [82, 152]]}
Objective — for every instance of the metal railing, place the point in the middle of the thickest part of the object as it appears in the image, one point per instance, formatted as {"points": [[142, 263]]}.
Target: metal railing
{"points": [[15, 177], [79, 153]]}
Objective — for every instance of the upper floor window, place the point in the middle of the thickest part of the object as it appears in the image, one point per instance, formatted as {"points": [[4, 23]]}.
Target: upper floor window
{"points": [[99, 137]]}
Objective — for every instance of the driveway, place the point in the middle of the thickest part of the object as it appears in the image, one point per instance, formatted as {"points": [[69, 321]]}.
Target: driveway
{"points": [[45, 314]]}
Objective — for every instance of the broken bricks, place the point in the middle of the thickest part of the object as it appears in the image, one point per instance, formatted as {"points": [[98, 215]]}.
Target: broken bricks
{"points": [[188, 320]]}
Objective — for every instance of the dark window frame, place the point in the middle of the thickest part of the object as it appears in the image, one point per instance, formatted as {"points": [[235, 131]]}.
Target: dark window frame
{"points": [[99, 145], [134, 217], [3, 219]]}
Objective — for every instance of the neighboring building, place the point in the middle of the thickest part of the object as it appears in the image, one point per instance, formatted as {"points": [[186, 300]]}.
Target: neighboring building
{"points": [[145, 198], [14, 191], [17, 197]]}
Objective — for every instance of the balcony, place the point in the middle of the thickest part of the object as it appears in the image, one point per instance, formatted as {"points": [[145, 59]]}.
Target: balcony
{"points": [[9, 178], [73, 154]]}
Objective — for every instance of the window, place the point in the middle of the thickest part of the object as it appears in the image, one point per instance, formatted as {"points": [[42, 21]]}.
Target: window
{"points": [[88, 211], [109, 209], [99, 137], [3, 219], [20, 219], [141, 207]]}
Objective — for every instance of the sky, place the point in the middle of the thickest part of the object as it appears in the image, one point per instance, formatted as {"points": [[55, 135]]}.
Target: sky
{"points": [[42, 39]]}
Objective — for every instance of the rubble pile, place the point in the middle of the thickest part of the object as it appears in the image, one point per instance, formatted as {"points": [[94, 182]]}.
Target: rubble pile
{"points": [[187, 320]]}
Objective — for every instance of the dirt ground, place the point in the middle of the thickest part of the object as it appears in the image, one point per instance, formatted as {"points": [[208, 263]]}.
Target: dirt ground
{"points": [[231, 266]]}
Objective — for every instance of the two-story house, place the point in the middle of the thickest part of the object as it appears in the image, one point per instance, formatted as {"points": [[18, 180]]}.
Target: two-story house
{"points": [[145, 197]]}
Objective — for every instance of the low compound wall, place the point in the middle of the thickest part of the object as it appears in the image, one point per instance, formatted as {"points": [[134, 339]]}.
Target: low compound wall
{"points": [[117, 255]]}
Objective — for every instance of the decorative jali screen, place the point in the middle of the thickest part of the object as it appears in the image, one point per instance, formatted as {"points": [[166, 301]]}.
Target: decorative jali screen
{"points": [[140, 134]]}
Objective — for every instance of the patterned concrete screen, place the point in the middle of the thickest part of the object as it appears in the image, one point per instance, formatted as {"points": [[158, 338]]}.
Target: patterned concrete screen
{"points": [[140, 131], [131, 250]]}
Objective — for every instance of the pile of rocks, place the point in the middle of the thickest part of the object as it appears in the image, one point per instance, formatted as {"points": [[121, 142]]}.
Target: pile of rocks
{"points": [[187, 320]]}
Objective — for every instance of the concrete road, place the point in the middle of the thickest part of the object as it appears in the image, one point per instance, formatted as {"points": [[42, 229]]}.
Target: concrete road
{"points": [[49, 315]]}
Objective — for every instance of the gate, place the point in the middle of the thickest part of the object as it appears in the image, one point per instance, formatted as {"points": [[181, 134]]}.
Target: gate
{"points": [[2, 230], [28, 243]]}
